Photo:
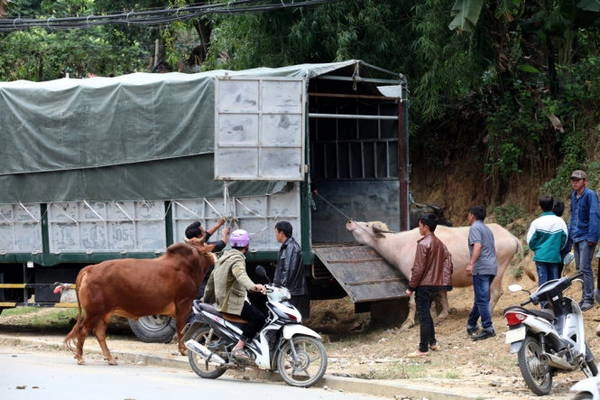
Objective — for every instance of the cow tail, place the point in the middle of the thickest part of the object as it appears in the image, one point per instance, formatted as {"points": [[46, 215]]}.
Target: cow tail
{"points": [[519, 251], [72, 335]]}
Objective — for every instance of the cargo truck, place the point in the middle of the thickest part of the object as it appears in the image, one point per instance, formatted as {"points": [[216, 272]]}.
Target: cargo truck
{"points": [[103, 168]]}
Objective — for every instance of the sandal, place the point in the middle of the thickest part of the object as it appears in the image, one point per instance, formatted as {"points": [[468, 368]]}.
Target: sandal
{"points": [[240, 355], [434, 347]]}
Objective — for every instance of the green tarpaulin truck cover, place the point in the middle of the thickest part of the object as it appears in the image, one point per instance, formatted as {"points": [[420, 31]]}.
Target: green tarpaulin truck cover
{"points": [[137, 136]]}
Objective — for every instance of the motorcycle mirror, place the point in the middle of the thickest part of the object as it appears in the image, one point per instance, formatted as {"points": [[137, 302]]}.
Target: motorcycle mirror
{"points": [[261, 272], [515, 287]]}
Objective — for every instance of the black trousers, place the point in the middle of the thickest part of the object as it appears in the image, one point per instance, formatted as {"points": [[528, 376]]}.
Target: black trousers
{"points": [[255, 318], [302, 303], [423, 299]]}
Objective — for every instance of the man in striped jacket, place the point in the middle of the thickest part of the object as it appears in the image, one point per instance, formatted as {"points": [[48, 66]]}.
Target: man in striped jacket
{"points": [[546, 237]]}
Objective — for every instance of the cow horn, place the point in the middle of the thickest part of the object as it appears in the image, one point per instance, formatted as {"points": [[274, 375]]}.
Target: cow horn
{"points": [[379, 228], [194, 241]]}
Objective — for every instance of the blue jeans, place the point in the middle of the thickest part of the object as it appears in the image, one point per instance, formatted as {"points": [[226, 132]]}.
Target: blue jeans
{"points": [[481, 306], [583, 253], [547, 271]]}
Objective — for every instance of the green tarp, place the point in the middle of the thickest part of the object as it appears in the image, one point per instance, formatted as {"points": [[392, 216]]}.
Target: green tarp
{"points": [[137, 136]]}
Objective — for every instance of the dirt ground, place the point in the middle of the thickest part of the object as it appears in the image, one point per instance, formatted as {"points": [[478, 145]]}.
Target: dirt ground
{"points": [[485, 367], [357, 349]]}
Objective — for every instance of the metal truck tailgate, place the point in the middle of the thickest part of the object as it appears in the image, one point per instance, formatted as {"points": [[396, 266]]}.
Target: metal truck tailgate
{"points": [[363, 274]]}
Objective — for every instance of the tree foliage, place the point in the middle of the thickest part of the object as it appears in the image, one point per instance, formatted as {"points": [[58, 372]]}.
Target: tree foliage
{"points": [[513, 81]]}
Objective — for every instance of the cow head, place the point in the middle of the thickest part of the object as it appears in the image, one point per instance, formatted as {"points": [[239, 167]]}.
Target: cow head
{"points": [[367, 232]]}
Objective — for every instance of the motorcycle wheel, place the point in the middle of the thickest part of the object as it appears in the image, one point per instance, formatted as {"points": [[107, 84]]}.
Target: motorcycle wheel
{"points": [[536, 372], [309, 365], [200, 366]]}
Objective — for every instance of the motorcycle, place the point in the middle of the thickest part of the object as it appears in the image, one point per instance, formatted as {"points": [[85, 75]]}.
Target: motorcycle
{"points": [[587, 389], [550, 339], [283, 344]]}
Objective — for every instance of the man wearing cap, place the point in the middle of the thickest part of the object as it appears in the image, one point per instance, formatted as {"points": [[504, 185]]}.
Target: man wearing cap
{"points": [[584, 231]]}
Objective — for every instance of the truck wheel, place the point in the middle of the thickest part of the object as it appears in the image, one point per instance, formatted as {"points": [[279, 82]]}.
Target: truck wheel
{"points": [[153, 328]]}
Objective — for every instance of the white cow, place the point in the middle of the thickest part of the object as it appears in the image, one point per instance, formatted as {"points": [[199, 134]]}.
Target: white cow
{"points": [[399, 250]]}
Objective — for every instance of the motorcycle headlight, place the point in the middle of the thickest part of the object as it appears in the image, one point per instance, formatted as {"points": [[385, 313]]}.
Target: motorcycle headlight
{"points": [[280, 294]]}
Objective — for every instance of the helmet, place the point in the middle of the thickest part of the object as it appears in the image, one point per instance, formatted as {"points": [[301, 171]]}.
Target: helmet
{"points": [[239, 238]]}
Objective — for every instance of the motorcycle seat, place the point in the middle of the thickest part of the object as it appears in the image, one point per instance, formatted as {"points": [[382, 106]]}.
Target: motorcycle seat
{"points": [[213, 310], [546, 314]]}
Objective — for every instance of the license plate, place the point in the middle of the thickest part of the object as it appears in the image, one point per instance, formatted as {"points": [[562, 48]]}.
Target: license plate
{"points": [[515, 335]]}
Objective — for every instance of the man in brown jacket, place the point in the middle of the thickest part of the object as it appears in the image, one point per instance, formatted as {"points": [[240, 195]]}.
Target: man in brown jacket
{"points": [[431, 272]]}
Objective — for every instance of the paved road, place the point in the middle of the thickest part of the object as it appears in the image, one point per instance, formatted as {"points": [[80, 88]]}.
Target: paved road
{"points": [[34, 374]]}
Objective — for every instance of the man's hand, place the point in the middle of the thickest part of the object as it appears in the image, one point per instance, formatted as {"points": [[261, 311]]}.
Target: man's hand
{"points": [[409, 292], [221, 221], [469, 269], [226, 231], [260, 288]]}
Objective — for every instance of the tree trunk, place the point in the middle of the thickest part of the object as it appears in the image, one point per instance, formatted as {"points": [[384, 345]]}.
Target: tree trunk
{"points": [[3, 8]]}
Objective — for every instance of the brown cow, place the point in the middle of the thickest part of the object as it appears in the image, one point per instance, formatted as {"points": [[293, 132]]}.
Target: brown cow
{"points": [[399, 250], [133, 288]]}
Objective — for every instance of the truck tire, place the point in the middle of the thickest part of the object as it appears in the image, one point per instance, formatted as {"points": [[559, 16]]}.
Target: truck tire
{"points": [[153, 328]]}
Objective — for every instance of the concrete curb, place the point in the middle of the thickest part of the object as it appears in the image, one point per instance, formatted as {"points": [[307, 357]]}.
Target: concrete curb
{"points": [[390, 389]]}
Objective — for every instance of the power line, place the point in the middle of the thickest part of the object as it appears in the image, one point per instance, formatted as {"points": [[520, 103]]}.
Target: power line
{"points": [[155, 16]]}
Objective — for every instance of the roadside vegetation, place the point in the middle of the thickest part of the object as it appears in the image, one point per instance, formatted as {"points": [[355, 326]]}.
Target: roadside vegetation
{"points": [[504, 93]]}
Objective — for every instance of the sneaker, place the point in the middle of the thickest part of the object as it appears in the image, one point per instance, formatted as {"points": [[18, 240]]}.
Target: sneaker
{"points": [[472, 331], [586, 305], [484, 335]]}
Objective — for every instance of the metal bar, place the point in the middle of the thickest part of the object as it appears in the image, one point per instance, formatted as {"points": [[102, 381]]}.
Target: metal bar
{"points": [[94, 211], [12, 285], [381, 69], [353, 116], [28, 212], [403, 175], [358, 79], [32, 285], [123, 211], [41, 304], [374, 282], [66, 305], [373, 299], [353, 96], [353, 261]]}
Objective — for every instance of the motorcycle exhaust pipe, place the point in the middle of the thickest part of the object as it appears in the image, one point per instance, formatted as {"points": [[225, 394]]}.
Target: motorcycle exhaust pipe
{"points": [[557, 362], [204, 352]]}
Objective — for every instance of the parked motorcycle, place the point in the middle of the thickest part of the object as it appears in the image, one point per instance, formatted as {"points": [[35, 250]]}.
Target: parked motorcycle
{"points": [[551, 339], [587, 389], [283, 344]]}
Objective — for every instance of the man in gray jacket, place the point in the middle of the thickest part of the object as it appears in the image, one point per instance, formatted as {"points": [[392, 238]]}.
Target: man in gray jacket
{"points": [[289, 271]]}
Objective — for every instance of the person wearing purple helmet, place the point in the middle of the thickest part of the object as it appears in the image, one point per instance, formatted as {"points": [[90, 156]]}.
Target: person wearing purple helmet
{"points": [[227, 286]]}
